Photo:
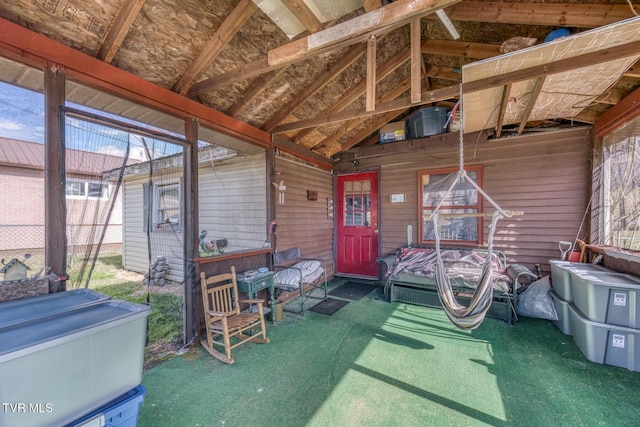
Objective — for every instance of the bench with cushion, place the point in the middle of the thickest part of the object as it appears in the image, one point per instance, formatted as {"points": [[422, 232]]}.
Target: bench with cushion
{"points": [[411, 270], [294, 273]]}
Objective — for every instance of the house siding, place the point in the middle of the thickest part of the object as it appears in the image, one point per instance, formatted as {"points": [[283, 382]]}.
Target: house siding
{"points": [[233, 200], [232, 205], [546, 175], [304, 223]]}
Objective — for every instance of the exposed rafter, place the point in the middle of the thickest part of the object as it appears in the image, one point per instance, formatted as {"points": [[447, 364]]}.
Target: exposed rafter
{"points": [[553, 14], [531, 102], [216, 43], [119, 29], [563, 65], [359, 89], [356, 30], [256, 88], [330, 144], [370, 5], [305, 15], [416, 60], [506, 93], [456, 48], [351, 56]]}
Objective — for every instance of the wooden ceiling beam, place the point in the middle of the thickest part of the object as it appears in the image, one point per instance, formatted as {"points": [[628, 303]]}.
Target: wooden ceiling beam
{"points": [[416, 60], [533, 97], [563, 65], [25, 46], [506, 92], [331, 144], [243, 72], [445, 73], [356, 30], [370, 80], [305, 15], [437, 47], [225, 32], [457, 48], [358, 90], [612, 97], [551, 14], [625, 111], [383, 107], [370, 5], [586, 116], [119, 29], [256, 88], [633, 71], [352, 55]]}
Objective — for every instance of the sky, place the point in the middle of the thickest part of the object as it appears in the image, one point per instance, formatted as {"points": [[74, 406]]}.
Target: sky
{"points": [[21, 114], [22, 118]]}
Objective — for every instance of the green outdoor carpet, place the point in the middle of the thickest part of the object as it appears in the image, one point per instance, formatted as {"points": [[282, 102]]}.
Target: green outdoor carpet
{"points": [[375, 363]]}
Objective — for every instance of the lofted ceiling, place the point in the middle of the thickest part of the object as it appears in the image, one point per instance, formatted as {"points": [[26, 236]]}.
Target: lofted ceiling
{"points": [[327, 74]]}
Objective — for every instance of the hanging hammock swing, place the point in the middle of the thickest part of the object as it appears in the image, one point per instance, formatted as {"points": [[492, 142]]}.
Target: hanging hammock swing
{"points": [[464, 317]]}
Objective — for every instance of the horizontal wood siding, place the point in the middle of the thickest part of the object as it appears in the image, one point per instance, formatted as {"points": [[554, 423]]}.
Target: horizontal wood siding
{"points": [[304, 223], [546, 175], [232, 203], [233, 200]]}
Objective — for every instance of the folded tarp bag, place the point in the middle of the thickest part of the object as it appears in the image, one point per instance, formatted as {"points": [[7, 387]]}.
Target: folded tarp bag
{"points": [[536, 301]]}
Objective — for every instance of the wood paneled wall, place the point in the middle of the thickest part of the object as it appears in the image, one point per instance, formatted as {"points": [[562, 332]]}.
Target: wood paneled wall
{"points": [[547, 175], [304, 223]]}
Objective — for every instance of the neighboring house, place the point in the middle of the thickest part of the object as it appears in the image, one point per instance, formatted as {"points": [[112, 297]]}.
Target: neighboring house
{"points": [[232, 206], [22, 213]]}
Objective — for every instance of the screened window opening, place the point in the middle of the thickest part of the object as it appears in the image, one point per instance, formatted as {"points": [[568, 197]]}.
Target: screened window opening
{"points": [[621, 188], [168, 212], [462, 199], [357, 203]]}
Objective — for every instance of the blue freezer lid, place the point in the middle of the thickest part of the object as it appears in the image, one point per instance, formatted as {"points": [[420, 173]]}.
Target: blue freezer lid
{"points": [[30, 309], [46, 332]]}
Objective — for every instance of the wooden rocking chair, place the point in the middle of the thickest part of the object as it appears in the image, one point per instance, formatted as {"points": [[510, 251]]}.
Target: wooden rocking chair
{"points": [[223, 317]]}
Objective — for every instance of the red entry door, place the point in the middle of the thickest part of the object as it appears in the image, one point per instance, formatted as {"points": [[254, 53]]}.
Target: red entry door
{"points": [[357, 224]]}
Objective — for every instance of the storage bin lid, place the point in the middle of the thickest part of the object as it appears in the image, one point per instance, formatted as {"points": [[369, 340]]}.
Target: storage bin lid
{"points": [[606, 278], [29, 309], [42, 333]]}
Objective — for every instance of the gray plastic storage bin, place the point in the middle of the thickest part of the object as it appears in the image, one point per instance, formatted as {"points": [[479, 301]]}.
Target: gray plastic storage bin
{"points": [[602, 343], [29, 309], [427, 121], [607, 297], [64, 366], [561, 276], [562, 309]]}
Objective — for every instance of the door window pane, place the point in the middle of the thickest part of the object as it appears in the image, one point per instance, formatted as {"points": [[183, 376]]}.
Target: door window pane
{"points": [[357, 203]]}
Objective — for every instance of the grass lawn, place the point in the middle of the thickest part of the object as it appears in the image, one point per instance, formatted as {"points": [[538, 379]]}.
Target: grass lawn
{"points": [[165, 321]]}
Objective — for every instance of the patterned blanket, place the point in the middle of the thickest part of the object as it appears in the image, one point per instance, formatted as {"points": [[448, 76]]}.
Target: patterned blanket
{"points": [[463, 266]]}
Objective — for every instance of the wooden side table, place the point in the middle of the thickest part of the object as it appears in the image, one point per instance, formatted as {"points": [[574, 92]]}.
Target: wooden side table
{"points": [[252, 285]]}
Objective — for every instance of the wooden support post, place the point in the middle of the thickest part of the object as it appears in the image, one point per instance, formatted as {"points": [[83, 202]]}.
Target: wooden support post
{"points": [[191, 221], [370, 97], [416, 61], [55, 221]]}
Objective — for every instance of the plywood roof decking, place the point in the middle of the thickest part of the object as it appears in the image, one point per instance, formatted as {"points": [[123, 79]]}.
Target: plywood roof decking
{"points": [[162, 41]]}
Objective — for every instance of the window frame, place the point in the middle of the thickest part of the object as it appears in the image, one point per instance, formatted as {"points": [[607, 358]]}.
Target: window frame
{"points": [[86, 193], [158, 219], [422, 209]]}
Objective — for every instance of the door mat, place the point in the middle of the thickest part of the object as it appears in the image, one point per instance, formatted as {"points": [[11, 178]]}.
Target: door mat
{"points": [[328, 306], [352, 290]]}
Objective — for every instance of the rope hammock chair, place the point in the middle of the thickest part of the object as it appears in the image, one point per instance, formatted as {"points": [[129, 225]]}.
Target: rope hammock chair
{"points": [[464, 317]]}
